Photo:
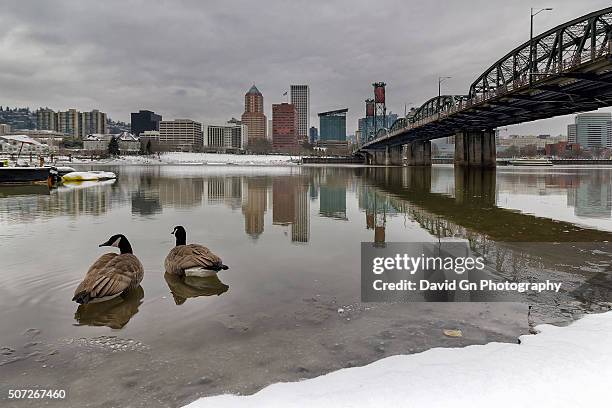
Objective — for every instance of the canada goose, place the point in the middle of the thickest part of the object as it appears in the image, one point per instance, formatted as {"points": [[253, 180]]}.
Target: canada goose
{"points": [[192, 259], [111, 275]]}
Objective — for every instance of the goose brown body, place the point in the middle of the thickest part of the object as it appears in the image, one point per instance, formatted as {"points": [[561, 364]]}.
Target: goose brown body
{"points": [[111, 275], [190, 256]]}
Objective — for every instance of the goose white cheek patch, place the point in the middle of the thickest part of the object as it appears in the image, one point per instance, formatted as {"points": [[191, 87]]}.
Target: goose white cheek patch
{"points": [[116, 243]]}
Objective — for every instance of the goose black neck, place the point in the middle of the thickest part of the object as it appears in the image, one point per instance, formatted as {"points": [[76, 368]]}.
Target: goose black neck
{"points": [[125, 247], [181, 238]]}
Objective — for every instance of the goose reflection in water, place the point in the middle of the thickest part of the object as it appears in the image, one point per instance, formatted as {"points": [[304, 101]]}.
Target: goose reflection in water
{"points": [[184, 287], [114, 313]]}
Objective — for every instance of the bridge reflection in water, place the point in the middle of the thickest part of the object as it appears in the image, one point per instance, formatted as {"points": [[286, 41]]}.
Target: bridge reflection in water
{"points": [[518, 246], [472, 205]]}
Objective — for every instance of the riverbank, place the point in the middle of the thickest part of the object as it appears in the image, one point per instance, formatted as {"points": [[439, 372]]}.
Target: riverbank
{"points": [[559, 367], [211, 159]]}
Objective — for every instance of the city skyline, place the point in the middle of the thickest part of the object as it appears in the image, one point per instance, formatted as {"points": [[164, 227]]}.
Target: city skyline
{"points": [[207, 85]]}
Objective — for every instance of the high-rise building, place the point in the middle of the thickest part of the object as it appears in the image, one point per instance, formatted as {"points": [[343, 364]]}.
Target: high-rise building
{"points": [[93, 122], [313, 135], [571, 133], [333, 125], [593, 130], [232, 136], [68, 122], [72, 122], [300, 97], [284, 126], [181, 135], [253, 116], [46, 119], [144, 120]]}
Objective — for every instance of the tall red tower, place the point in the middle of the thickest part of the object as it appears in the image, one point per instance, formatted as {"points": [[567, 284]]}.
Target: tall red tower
{"points": [[380, 107]]}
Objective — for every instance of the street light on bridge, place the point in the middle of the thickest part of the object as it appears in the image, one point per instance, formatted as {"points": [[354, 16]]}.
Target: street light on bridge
{"points": [[532, 67], [440, 80]]}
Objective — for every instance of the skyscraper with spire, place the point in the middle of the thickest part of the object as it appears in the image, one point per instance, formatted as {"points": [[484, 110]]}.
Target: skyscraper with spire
{"points": [[253, 116]]}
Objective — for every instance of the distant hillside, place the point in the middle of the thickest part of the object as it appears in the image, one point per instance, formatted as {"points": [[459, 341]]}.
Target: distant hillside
{"points": [[18, 118]]}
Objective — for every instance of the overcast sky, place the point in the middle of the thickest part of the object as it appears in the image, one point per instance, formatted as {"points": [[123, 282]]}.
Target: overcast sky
{"points": [[196, 59]]}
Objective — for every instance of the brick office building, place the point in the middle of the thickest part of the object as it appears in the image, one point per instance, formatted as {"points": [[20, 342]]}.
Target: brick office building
{"points": [[284, 126]]}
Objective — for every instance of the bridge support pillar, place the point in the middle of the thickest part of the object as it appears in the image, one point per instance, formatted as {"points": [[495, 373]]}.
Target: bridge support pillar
{"points": [[367, 158], [475, 148], [394, 156], [418, 153], [378, 158]]}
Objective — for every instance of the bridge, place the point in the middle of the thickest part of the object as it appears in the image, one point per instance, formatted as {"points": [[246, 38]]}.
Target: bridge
{"points": [[564, 70]]}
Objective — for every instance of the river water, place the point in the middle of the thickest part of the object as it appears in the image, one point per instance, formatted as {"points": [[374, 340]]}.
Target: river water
{"points": [[289, 306]]}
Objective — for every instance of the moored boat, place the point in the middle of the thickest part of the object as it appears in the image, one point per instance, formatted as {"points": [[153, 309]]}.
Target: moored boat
{"points": [[63, 170], [20, 175], [89, 176], [25, 174]]}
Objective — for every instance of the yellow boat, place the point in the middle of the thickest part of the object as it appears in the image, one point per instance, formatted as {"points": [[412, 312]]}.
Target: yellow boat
{"points": [[89, 176]]}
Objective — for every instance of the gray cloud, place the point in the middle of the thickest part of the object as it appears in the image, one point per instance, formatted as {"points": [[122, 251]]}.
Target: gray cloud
{"points": [[196, 59]]}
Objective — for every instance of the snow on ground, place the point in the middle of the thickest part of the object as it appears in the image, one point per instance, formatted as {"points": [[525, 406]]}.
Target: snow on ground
{"points": [[559, 367], [198, 159]]}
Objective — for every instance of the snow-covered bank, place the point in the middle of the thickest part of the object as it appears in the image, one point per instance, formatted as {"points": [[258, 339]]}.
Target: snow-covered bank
{"points": [[198, 159], [559, 367]]}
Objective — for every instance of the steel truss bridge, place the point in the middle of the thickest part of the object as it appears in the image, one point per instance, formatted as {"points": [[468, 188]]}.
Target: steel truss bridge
{"points": [[571, 71]]}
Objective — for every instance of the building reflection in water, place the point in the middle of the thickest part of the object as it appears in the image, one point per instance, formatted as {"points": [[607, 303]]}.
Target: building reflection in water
{"points": [[332, 203], [377, 207], [283, 201], [181, 193], [300, 228], [224, 190], [31, 203], [149, 191], [291, 207], [255, 205], [592, 197], [588, 191], [146, 199]]}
